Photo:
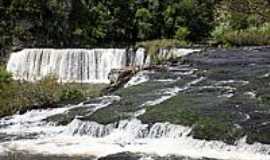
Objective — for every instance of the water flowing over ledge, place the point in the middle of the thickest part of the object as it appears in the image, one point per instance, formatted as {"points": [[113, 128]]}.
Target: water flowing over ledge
{"points": [[123, 123], [132, 128], [91, 138], [80, 65]]}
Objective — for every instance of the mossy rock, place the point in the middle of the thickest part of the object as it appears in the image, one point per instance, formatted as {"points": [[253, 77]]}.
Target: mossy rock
{"points": [[211, 129]]}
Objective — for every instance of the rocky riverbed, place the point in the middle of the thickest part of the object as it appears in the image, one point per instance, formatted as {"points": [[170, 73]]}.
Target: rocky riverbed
{"points": [[213, 104]]}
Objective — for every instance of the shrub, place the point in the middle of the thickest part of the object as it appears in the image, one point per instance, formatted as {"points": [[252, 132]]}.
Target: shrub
{"points": [[181, 34], [152, 47], [219, 31], [43, 92], [245, 37], [22, 96], [71, 94], [5, 76]]}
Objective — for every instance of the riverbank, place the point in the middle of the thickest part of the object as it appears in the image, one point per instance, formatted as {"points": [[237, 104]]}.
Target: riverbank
{"points": [[21, 96]]}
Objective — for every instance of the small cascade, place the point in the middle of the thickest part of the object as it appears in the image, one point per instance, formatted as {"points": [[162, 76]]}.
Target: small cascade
{"points": [[167, 130], [77, 127], [32, 122], [139, 78], [165, 54], [134, 127], [162, 139]]}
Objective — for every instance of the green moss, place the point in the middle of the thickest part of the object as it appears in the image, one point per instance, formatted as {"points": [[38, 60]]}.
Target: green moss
{"points": [[181, 109], [258, 136], [212, 129], [107, 117], [191, 110], [265, 99]]}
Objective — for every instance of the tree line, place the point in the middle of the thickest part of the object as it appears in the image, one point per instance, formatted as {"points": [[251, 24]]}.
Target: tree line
{"points": [[116, 23]]}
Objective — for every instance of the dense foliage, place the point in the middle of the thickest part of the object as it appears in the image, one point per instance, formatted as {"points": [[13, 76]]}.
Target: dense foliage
{"points": [[115, 23], [92, 23], [243, 22]]}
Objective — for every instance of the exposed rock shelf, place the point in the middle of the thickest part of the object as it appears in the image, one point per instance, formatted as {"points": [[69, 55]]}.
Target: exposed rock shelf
{"points": [[208, 105]]}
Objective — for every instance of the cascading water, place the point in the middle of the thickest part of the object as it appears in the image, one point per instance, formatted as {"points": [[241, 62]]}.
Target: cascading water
{"points": [[79, 65], [91, 138], [35, 133], [75, 65]]}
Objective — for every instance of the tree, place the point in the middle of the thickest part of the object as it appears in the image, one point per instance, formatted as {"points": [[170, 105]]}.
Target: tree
{"points": [[243, 13], [102, 23], [144, 24]]}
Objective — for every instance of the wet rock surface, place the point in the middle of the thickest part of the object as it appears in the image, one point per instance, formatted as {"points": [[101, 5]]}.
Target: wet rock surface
{"points": [[118, 77], [29, 156], [245, 72], [231, 101], [222, 95], [134, 156], [228, 57], [119, 156]]}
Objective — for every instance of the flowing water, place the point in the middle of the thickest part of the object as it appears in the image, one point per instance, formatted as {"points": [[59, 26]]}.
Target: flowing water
{"points": [[79, 65], [94, 132]]}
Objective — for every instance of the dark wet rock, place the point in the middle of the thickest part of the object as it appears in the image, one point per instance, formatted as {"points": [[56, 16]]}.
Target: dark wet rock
{"points": [[140, 156], [118, 156], [237, 56], [122, 156], [68, 116], [12, 137], [230, 103], [28, 156], [118, 77], [117, 74], [133, 97]]}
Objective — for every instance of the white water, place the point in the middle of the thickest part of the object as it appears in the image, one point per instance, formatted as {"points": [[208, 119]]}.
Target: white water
{"points": [[74, 65], [90, 138], [79, 65], [93, 139], [31, 121], [87, 138], [169, 93], [139, 78]]}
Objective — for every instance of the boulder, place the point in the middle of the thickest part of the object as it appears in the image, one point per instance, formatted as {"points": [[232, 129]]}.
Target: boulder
{"points": [[118, 77]]}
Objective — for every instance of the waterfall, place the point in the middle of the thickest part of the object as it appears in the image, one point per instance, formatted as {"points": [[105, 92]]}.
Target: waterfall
{"points": [[79, 65], [69, 65]]}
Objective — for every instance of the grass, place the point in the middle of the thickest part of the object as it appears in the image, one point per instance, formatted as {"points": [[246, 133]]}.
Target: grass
{"points": [[18, 96], [152, 47]]}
